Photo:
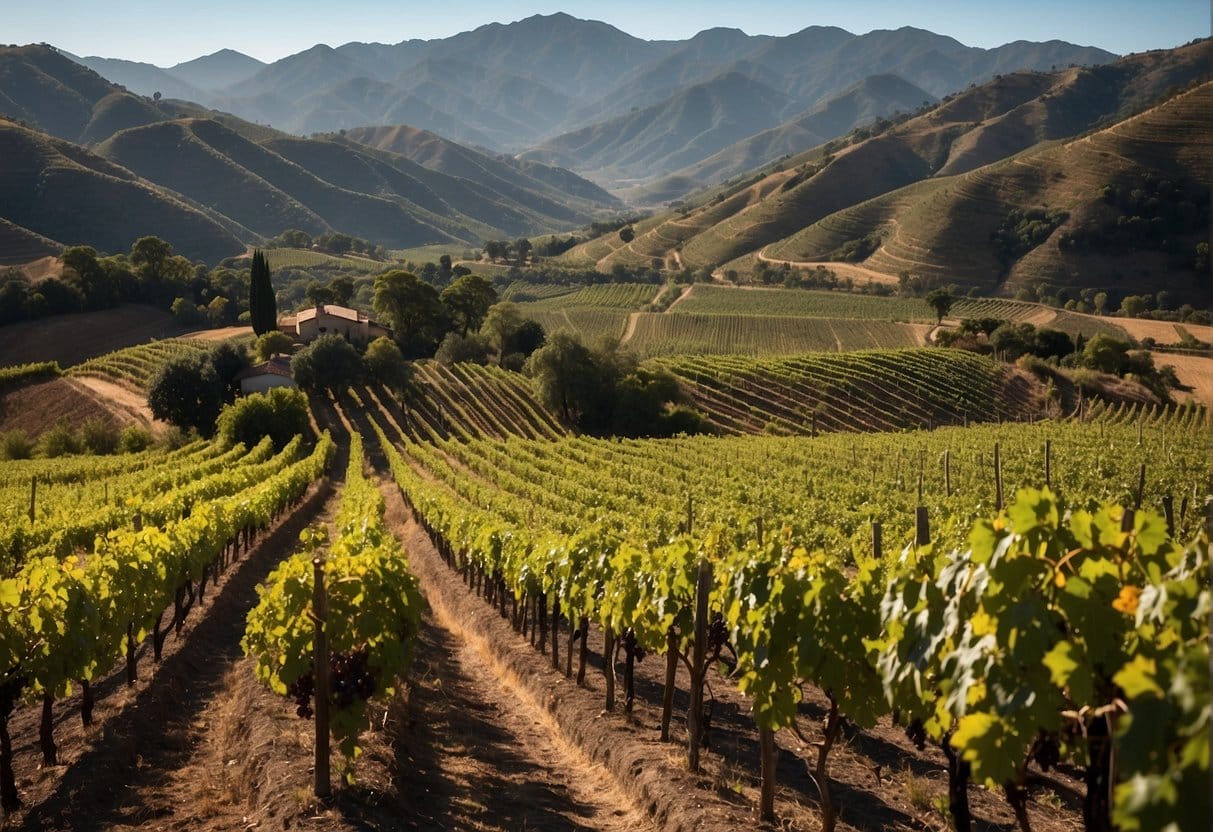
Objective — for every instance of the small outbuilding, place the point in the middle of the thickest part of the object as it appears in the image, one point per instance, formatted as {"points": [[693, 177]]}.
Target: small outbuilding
{"points": [[261, 377]]}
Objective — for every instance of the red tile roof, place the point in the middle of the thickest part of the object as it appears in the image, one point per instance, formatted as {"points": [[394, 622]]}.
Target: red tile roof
{"points": [[278, 365]]}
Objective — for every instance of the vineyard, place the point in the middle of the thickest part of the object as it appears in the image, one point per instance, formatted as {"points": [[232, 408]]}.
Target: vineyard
{"points": [[878, 545], [706, 299], [1019, 311], [85, 584], [472, 400], [25, 373], [297, 258], [677, 334], [864, 391], [591, 325], [135, 366], [797, 545], [601, 296]]}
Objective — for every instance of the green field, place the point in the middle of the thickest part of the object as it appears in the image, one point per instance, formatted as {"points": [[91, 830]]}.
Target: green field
{"points": [[675, 334], [721, 300], [603, 296]]}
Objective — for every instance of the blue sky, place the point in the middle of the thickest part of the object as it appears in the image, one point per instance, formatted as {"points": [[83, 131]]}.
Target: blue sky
{"points": [[165, 32]]}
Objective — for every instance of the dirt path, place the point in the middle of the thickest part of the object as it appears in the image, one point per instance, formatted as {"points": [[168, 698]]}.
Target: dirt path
{"points": [[490, 755], [841, 269], [630, 329], [685, 294]]}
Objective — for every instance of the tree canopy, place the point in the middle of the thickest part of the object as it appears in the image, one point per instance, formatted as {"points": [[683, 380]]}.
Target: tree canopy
{"points": [[467, 301], [187, 392], [605, 392], [413, 309], [328, 363]]}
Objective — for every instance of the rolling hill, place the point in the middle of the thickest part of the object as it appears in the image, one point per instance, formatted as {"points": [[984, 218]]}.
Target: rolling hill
{"points": [[432, 151], [68, 195], [42, 87], [685, 128], [864, 102], [248, 180]]}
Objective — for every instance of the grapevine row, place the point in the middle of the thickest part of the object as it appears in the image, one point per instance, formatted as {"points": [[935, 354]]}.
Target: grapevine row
{"points": [[373, 611], [528, 529], [66, 621]]}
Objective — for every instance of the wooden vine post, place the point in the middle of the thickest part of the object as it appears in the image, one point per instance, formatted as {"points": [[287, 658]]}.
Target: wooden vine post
{"points": [[947, 472], [1049, 463], [766, 750], [922, 526], [608, 665], [320, 675], [877, 543], [33, 497], [703, 587], [997, 479]]}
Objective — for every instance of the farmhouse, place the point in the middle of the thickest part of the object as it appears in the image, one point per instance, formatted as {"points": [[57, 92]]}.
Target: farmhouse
{"points": [[310, 324], [261, 377]]}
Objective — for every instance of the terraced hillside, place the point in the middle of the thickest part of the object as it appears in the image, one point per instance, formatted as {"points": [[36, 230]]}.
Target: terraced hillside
{"points": [[927, 190]]}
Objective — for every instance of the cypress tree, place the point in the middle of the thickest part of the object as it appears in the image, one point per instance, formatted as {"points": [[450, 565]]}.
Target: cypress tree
{"points": [[263, 308]]}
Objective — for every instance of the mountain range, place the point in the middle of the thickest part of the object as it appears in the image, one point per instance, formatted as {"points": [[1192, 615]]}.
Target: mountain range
{"points": [[75, 147], [580, 93], [875, 154]]}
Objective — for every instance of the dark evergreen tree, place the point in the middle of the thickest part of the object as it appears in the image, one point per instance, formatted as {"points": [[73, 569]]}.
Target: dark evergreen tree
{"points": [[263, 308]]}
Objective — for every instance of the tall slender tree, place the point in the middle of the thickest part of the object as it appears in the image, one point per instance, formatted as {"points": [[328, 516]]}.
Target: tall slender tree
{"points": [[263, 308]]}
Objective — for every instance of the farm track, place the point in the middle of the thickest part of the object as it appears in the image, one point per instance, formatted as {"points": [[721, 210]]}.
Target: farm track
{"points": [[478, 740]]}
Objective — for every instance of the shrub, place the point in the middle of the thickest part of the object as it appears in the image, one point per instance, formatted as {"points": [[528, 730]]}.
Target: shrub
{"points": [[134, 439], [1036, 366], [175, 437], [386, 365], [280, 414], [60, 440], [99, 436], [456, 349], [273, 343], [15, 444]]}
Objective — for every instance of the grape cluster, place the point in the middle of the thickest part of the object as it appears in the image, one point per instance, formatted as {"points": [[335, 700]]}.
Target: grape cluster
{"points": [[718, 634], [916, 732], [301, 691], [351, 678], [1046, 751]]}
